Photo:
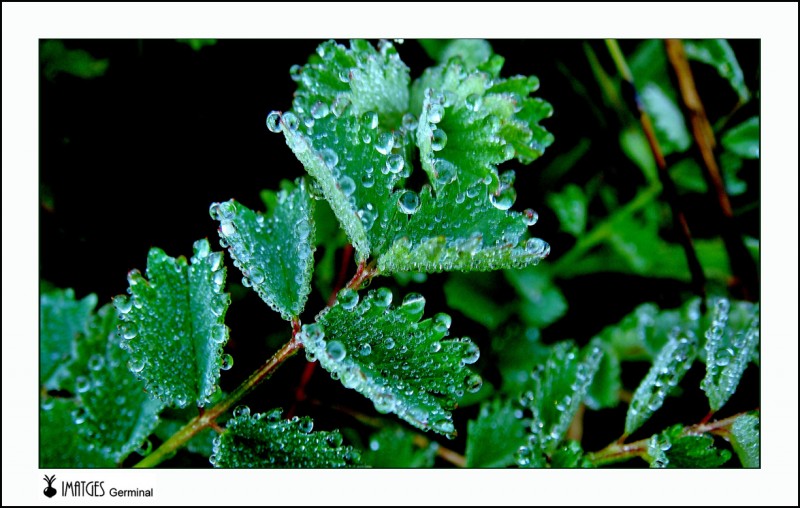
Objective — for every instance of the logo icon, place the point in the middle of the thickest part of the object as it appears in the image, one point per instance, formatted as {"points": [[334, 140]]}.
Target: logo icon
{"points": [[50, 491]]}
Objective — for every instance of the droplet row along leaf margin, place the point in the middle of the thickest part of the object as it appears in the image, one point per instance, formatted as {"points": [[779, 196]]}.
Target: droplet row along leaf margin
{"points": [[173, 325]]}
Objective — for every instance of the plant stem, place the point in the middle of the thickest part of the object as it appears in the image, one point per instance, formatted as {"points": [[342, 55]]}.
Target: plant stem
{"points": [[618, 452], [742, 264], [208, 417], [670, 192]]}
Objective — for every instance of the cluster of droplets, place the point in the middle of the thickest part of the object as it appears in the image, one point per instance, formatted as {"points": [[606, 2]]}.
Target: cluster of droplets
{"points": [[267, 440], [669, 367], [257, 244], [657, 447], [728, 351], [385, 353]]}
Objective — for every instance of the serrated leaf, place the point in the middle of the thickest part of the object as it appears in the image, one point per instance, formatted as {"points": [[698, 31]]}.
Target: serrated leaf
{"points": [[719, 54], [672, 449], [542, 303], [264, 440], [62, 320], [472, 235], [570, 206], [569, 456], [729, 350], [607, 382], [173, 324], [471, 295], [471, 51], [558, 389], [275, 253], [403, 365], [369, 79], [471, 122], [668, 122], [496, 435], [394, 448], [745, 437], [61, 445], [118, 413], [357, 165], [668, 369], [743, 140]]}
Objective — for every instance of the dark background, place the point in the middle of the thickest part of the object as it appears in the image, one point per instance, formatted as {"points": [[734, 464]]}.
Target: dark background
{"points": [[132, 160]]}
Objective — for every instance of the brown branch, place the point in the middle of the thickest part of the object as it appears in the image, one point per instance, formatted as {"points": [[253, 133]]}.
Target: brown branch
{"points": [[670, 192], [743, 266]]}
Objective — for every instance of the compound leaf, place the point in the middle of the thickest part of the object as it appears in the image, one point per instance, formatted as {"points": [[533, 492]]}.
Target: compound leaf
{"points": [[369, 79], [559, 387], [276, 252], [395, 448], [729, 350], [745, 437], [495, 436], [719, 54], [668, 369], [62, 320], [404, 365], [173, 324], [673, 449], [265, 440]]}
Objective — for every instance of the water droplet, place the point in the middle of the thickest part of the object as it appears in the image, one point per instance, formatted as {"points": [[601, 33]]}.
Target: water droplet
{"points": [[347, 298], [329, 157], [123, 304], [473, 102], [382, 297], [364, 349], [441, 322], [274, 121], [370, 120], [290, 121], [384, 143], [334, 439], [136, 364], [82, 384], [395, 163], [305, 425], [368, 215], [531, 217], [473, 383], [408, 202], [471, 354], [367, 180], [438, 140], [435, 113], [336, 350], [444, 171], [226, 362], [241, 411], [347, 185], [79, 415], [537, 247], [340, 105], [320, 110], [409, 122], [96, 362], [504, 198], [413, 306], [724, 357]]}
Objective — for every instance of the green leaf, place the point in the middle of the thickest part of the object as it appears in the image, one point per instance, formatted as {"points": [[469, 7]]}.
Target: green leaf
{"points": [[719, 54], [356, 165], [743, 140], [688, 176], [729, 350], [634, 144], [118, 413], [62, 320], [61, 445], [198, 44], [559, 388], [264, 440], [668, 121], [518, 351], [471, 295], [542, 303], [274, 253], [173, 324], [369, 79], [495, 436], [569, 456], [56, 58], [745, 436], [668, 369], [458, 231], [731, 164], [393, 447], [471, 122], [607, 382], [405, 366], [674, 450], [570, 206], [471, 51], [649, 65]]}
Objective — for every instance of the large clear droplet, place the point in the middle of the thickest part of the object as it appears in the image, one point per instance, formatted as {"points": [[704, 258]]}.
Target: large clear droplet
{"points": [[408, 202]]}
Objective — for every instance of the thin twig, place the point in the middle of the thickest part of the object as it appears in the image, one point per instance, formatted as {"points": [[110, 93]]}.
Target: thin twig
{"points": [[743, 266], [670, 192]]}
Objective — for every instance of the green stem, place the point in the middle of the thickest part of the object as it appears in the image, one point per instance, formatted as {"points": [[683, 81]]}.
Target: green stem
{"points": [[618, 452], [208, 417], [603, 231]]}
